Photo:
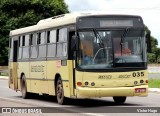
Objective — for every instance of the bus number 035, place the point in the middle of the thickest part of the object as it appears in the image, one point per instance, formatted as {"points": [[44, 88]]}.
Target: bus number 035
{"points": [[138, 74]]}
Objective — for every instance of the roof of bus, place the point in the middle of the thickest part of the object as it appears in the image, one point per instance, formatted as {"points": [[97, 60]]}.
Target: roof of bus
{"points": [[55, 21], [47, 23]]}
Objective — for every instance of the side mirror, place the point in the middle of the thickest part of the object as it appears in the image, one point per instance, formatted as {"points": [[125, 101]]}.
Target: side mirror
{"points": [[148, 41], [74, 43]]}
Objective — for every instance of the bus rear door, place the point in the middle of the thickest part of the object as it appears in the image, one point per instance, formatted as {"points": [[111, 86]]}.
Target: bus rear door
{"points": [[13, 66]]}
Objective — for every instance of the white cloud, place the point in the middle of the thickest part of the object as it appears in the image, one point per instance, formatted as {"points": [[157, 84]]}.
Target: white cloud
{"points": [[148, 9]]}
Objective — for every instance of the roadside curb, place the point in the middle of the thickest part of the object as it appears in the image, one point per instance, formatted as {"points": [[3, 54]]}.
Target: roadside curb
{"points": [[155, 90], [3, 77]]}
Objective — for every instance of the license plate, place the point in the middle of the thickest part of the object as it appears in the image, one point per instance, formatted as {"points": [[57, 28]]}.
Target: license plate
{"points": [[140, 90]]}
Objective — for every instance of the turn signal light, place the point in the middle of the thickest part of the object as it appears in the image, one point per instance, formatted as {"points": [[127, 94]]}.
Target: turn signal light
{"points": [[79, 83], [146, 81]]}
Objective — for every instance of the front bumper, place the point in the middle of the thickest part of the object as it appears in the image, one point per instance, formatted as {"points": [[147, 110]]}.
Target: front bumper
{"points": [[86, 92]]}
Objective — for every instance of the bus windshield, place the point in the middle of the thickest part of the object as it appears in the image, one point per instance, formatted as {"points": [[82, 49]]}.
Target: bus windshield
{"points": [[101, 49]]}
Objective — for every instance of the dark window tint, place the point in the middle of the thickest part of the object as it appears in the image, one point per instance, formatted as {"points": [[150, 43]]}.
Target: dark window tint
{"points": [[48, 36], [31, 39], [38, 38], [23, 40]]}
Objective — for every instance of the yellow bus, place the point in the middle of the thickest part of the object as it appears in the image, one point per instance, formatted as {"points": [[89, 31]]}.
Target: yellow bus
{"points": [[80, 55]]}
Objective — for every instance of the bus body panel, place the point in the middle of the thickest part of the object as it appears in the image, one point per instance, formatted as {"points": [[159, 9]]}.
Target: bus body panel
{"points": [[23, 69], [114, 79], [38, 76], [55, 68], [110, 84]]}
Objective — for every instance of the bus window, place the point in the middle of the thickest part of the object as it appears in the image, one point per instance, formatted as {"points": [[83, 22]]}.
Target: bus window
{"points": [[20, 47], [63, 35], [34, 50], [38, 38], [42, 46], [42, 38], [62, 43], [31, 39], [25, 53], [52, 38], [26, 40], [48, 36], [11, 49], [23, 40]]}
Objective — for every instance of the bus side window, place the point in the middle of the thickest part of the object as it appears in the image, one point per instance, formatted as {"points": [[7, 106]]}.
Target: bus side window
{"points": [[25, 53], [62, 43], [48, 36], [23, 40], [71, 54], [34, 50], [20, 47], [42, 46], [38, 38], [11, 49], [31, 39], [42, 41], [51, 40]]}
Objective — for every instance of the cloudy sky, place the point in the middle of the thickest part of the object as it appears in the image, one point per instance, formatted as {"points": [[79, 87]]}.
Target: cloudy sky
{"points": [[148, 9]]}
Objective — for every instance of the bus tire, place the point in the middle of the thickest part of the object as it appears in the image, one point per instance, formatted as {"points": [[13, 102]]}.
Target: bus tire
{"points": [[60, 92], [119, 100], [24, 92]]}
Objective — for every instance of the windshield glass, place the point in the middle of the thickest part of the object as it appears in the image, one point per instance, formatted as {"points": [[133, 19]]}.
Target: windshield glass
{"points": [[100, 49]]}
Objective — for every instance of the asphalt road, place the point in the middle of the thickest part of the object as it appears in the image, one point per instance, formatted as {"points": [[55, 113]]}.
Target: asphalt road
{"points": [[99, 106], [154, 76]]}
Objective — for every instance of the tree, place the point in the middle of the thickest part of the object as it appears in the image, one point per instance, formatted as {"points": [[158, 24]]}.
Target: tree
{"points": [[153, 57], [16, 14]]}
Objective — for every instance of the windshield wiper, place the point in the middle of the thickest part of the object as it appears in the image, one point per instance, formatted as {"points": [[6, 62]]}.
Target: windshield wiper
{"points": [[99, 37]]}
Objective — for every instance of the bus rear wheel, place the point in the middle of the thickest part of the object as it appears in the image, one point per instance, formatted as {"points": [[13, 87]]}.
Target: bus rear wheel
{"points": [[24, 92], [60, 92], [119, 100]]}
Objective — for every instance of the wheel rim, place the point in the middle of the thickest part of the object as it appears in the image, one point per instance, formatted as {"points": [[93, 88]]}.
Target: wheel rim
{"points": [[23, 88], [59, 91]]}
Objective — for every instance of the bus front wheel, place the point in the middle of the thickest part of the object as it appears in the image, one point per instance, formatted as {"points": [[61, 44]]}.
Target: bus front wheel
{"points": [[60, 92], [119, 100], [24, 92]]}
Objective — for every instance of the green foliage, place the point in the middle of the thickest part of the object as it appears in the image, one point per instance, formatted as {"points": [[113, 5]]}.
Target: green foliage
{"points": [[154, 83], [16, 14], [153, 57]]}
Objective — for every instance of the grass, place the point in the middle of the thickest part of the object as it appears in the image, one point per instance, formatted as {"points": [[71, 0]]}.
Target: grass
{"points": [[3, 74], [154, 83]]}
